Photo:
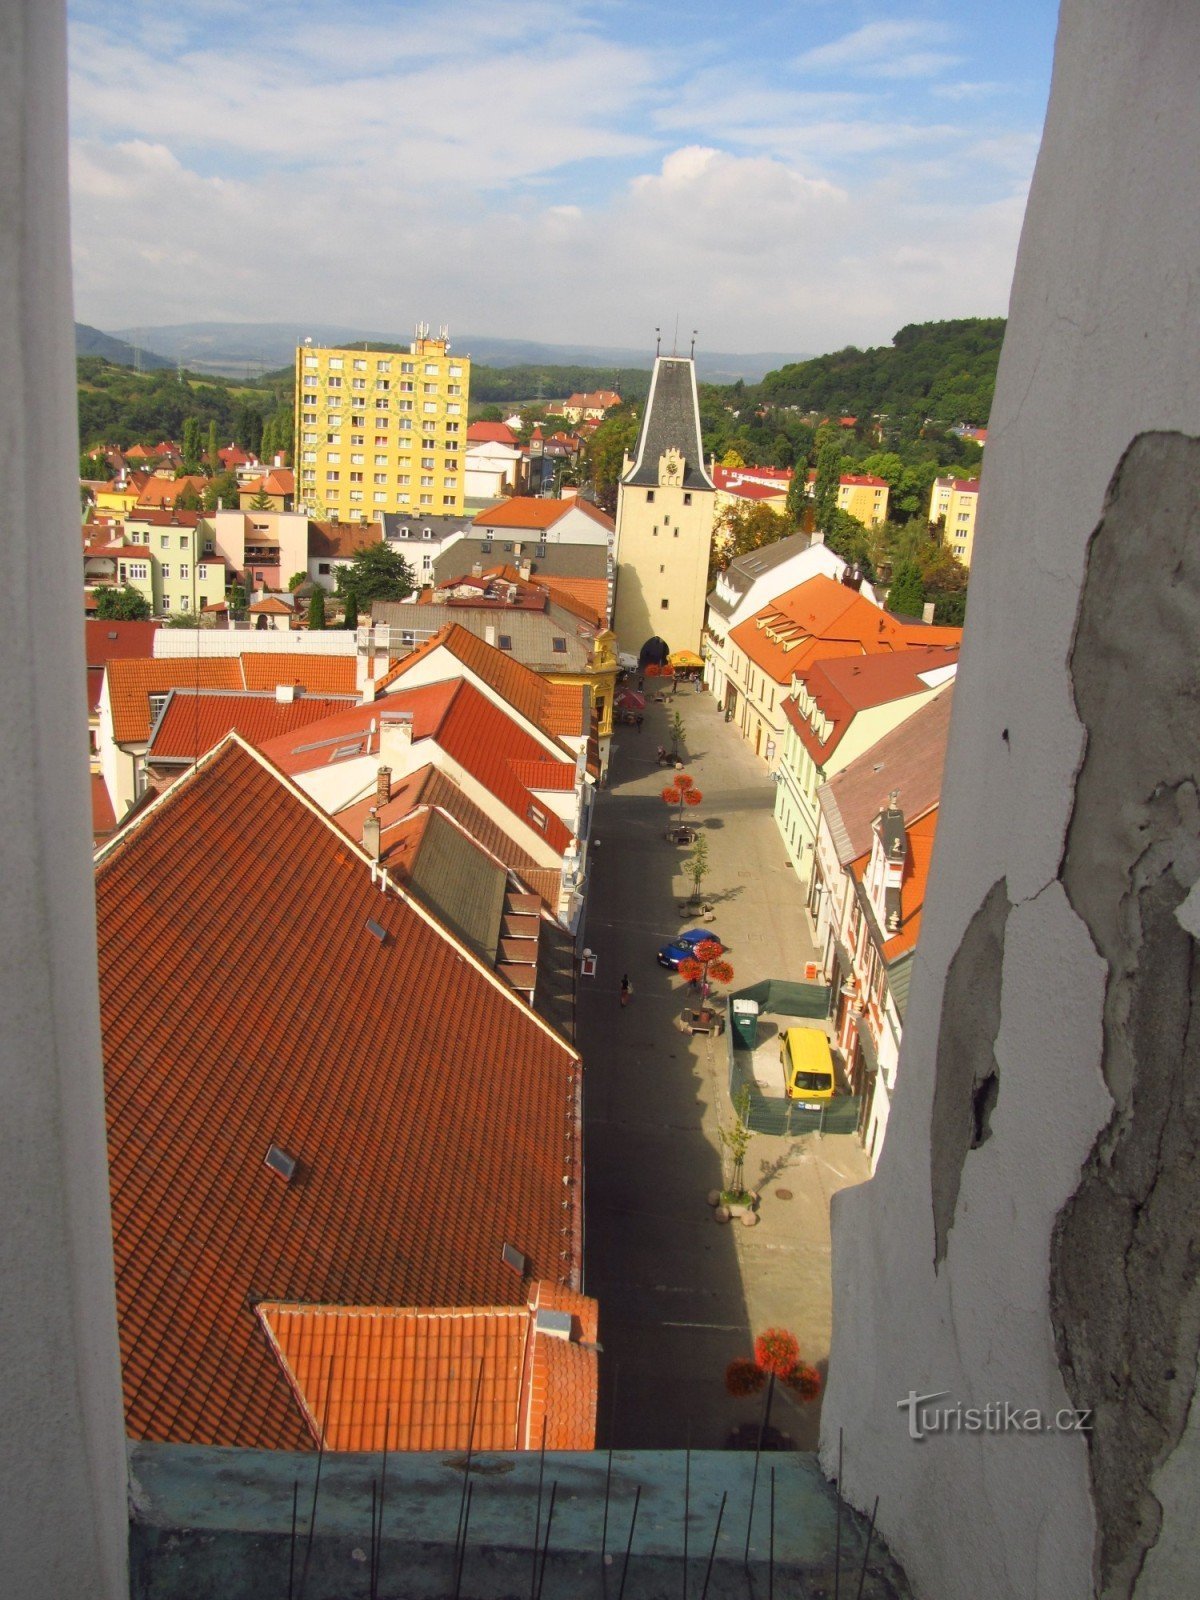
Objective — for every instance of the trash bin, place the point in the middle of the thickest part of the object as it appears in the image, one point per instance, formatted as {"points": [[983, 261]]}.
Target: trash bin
{"points": [[745, 1024]]}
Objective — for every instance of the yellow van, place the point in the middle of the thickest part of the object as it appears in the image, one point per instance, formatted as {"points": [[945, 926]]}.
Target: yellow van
{"points": [[808, 1073]]}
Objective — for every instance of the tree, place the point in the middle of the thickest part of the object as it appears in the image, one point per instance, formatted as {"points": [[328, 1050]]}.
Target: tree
{"points": [[740, 529], [735, 1141], [376, 572], [697, 863], [316, 610], [797, 496], [260, 501], [188, 499], [93, 467], [221, 492], [350, 616], [122, 605], [296, 579], [184, 619], [191, 445], [236, 600], [678, 735], [950, 610], [606, 451], [907, 593], [732, 458], [829, 473], [214, 460]]}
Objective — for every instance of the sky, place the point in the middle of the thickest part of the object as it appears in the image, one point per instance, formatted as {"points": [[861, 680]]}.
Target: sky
{"points": [[792, 176]]}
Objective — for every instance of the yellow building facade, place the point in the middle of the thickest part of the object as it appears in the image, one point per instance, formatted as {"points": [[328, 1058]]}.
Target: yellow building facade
{"points": [[961, 509], [864, 497], [381, 430]]}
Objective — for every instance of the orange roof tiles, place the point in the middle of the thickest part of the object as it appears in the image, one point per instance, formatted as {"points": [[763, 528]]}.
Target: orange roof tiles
{"points": [[132, 682], [376, 1377], [192, 723], [328, 1054], [527, 511], [920, 836], [842, 686], [318, 674], [165, 491], [818, 618]]}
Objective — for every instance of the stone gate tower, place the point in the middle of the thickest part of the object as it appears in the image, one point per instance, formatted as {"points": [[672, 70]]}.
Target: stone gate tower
{"points": [[665, 505]]}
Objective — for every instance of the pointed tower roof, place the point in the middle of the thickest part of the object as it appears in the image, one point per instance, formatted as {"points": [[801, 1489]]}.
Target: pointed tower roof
{"points": [[671, 422]]}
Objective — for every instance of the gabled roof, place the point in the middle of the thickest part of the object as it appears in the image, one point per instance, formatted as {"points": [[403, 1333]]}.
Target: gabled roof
{"points": [[297, 1003], [165, 491], [317, 674], [131, 683], [162, 517], [819, 617], [753, 483], [193, 721], [557, 709], [908, 760], [671, 422], [920, 836], [842, 686], [341, 540], [490, 433], [406, 1379], [530, 512], [279, 481], [113, 641]]}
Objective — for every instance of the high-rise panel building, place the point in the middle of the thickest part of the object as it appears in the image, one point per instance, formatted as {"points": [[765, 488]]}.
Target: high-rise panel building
{"points": [[381, 430], [665, 504]]}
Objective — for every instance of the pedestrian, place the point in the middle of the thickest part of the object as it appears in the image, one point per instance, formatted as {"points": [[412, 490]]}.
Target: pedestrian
{"points": [[626, 990], [638, 720], [641, 684]]}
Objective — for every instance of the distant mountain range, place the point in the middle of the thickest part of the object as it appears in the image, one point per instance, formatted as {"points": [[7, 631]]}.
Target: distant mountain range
{"points": [[91, 342], [246, 349]]}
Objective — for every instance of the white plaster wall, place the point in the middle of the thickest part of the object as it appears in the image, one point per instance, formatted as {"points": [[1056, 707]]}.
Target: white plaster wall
{"points": [[1102, 345], [62, 1450], [174, 643]]}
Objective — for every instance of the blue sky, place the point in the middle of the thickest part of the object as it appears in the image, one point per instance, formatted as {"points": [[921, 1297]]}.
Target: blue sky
{"points": [[795, 177]]}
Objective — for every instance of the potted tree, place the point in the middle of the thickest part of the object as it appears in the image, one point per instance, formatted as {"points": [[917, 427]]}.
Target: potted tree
{"points": [[696, 868], [735, 1200], [678, 735], [681, 793]]}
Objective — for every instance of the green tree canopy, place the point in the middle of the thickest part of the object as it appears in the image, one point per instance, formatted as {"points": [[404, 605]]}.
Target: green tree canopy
{"points": [[906, 597], [376, 572], [829, 472], [606, 453], [740, 529], [188, 499], [316, 610], [191, 444], [221, 490], [122, 605]]}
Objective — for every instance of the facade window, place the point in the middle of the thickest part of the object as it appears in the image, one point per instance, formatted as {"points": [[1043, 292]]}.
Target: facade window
{"points": [[183, 569], [431, 370], [405, 405], [356, 461], [454, 408], [381, 461], [428, 463], [427, 427], [650, 500], [664, 605], [184, 602], [687, 499], [335, 363], [356, 494], [383, 366], [323, 569], [166, 571], [310, 362], [429, 388], [381, 402], [358, 422], [405, 423], [379, 477], [426, 499], [427, 483], [426, 563], [430, 405], [380, 498], [666, 522], [358, 383], [356, 438], [359, 364], [356, 477], [164, 541], [449, 483], [448, 499], [335, 421], [559, 646], [309, 455], [454, 388], [505, 641], [310, 383], [335, 383], [383, 383], [427, 533], [453, 427], [332, 477], [455, 371], [404, 478], [407, 366], [335, 456]]}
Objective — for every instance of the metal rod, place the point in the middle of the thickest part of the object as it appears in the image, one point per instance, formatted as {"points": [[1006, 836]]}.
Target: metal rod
{"points": [[462, 1553], [387, 1428], [292, 1547], [837, 1537], [712, 1554], [462, 1499], [762, 1428], [312, 1520], [546, 1540], [862, 1576], [537, 1521], [771, 1544], [371, 1566], [687, 1503], [612, 1416], [637, 1500]]}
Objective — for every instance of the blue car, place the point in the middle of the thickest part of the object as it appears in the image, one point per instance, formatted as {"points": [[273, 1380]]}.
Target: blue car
{"points": [[684, 945]]}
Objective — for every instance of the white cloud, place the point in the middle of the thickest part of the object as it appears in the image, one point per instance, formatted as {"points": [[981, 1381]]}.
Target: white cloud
{"points": [[895, 49]]}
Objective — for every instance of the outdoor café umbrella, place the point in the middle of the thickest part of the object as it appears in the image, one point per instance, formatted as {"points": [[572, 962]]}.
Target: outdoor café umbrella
{"points": [[629, 700], [685, 658]]}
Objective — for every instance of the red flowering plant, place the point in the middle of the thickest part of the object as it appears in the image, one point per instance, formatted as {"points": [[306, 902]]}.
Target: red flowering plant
{"points": [[776, 1355], [705, 967], [682, 792]]}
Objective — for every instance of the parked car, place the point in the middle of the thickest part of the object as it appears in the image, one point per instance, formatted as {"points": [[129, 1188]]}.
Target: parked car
{"points": [[684, 945]]}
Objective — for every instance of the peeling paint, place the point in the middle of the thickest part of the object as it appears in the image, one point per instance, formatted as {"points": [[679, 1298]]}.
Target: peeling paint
{"points": [[968, 1076], [1125, 1301]]}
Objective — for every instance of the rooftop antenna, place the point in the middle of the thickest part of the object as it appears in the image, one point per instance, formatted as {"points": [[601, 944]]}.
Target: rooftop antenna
{"points": [[692, 355], [657, 342]]}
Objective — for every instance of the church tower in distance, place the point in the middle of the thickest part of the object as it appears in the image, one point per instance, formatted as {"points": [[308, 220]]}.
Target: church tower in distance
{"points": [[665, 507]]}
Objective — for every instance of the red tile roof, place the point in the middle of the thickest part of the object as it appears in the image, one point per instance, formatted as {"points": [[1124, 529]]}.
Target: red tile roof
{"points": [[131, 683], [395, 1378], [843, 686], [113, 641], [332, 540], [862, 480], [913, 885], [163, 491], [335, 1054], [818, 618], [557, 709], [192, 722], [909, 760], [278, 481], [104, 821], [526, 511], [490, 433], [317, 674]]}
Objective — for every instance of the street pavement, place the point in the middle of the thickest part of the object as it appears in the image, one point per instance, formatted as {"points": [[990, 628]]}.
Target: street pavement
{"points": [[680, 1294]]}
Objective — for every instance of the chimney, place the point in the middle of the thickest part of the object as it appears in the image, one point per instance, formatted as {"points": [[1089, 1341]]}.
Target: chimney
{"points": [[525, 569], [395, 740], [286, 693], [371, 834], [927, 611], [477, 569], [383, 786]]}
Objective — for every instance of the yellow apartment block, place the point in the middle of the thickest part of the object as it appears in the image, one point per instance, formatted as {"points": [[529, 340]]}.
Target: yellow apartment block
{"points": [[864, 497], [961, 508], [381, 430]]}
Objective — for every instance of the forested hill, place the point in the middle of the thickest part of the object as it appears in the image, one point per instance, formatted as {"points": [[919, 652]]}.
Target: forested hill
{"points": [[945, 370]]}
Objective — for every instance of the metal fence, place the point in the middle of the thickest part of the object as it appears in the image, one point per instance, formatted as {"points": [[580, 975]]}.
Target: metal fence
{"points": [[777, 1114]]}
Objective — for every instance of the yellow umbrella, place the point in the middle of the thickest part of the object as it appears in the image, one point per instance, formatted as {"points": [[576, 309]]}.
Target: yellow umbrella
{"points": [[685, 658]]}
